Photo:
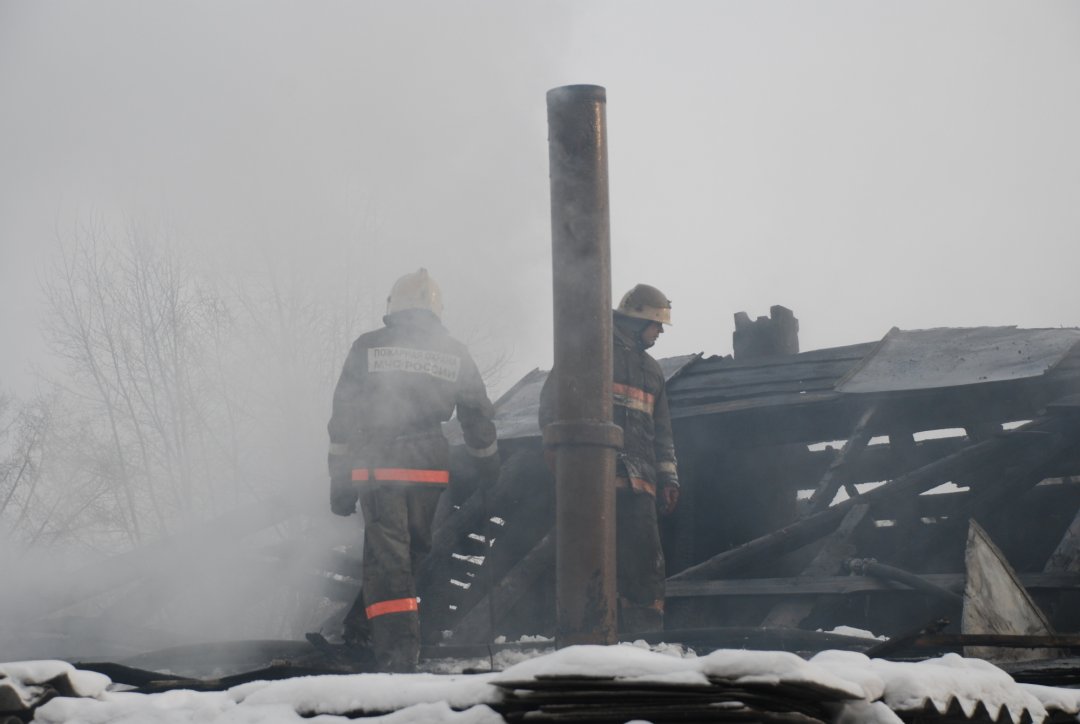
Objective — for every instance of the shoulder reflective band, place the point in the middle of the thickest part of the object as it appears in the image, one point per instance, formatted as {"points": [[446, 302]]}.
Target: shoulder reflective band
{"points": [[396, 605], [401, 475], [632, 398]]}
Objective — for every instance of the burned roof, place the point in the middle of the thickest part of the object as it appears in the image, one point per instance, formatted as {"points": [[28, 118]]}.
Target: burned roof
{"points": [[821, 394], [919, 380]]}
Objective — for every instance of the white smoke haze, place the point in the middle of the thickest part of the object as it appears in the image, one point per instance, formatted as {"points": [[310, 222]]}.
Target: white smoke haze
{"points": [[269, 168]]}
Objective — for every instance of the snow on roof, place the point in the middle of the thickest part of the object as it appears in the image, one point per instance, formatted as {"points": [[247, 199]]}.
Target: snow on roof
{"points": [[941, 683], [865, 690]]}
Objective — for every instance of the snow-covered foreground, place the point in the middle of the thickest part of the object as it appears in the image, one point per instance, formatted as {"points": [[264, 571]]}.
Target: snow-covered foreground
{"points": [[864, 690]]}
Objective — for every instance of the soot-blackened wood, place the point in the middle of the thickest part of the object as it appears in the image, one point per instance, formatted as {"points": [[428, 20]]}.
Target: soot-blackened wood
{"points": [[981, 429], [871, 567], [516, 514], [824, 375], [522, 498], [813, 527], [1066, 556], [1037, 441], [849, 584], [991, 483], [826, 489], [476, 623], [874, 464], [942, 640], [902, 641], [846, 357], [828, 561]]}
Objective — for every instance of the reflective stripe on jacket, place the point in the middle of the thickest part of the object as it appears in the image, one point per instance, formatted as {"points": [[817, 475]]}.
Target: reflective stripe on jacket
{"points": [[400, 475], [397, 605], [640, 408]]}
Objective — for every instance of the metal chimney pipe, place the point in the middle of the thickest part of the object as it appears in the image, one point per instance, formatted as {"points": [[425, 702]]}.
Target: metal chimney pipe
{"points": [[583, 434]]}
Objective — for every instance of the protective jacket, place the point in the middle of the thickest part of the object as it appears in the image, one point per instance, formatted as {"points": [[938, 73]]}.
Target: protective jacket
{"points": [[641, 410], [398, 385]]}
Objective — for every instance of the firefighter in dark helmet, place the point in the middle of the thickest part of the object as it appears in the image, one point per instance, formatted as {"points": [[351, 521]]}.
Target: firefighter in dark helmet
{"points": [[647, 478], [398, 385]]}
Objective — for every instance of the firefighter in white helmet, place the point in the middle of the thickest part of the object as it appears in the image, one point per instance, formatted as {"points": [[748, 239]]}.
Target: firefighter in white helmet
{"points": [[647, 477], [398, 385]]}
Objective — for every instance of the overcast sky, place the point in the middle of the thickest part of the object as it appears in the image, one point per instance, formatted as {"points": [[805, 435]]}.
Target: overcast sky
{"points": [[867, 164]]}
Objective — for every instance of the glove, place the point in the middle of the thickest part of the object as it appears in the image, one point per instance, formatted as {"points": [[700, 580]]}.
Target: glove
{"points": [[340, 464], [668, 499], [342, 496]]}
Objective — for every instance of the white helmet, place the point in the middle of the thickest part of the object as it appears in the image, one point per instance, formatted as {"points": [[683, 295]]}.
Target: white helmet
{"points": [[646, 302], [415, 291]]}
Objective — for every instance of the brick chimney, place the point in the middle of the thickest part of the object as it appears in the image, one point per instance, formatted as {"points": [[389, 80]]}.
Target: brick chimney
{"points": [[776, 334]]}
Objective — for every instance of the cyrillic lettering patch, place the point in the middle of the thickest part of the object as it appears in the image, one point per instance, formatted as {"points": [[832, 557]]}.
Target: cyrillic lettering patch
{"points": [[440, 365]]}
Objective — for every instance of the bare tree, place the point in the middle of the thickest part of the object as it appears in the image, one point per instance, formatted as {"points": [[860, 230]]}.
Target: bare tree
{"points": [[50, 491], [181, 400], [22, 432], [131, 323]]}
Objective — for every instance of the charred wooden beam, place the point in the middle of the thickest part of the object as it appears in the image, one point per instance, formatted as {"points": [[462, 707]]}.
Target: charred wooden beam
{"points": [[1019, 445], [850, 584], [874, 464], [992, 493], [870, 567], [522, 500], [828, 561], [1066, 556], [469, 518], [486, 613], [943, 640], [814, 526], [899, 643], [830, 482], [801, 410]]}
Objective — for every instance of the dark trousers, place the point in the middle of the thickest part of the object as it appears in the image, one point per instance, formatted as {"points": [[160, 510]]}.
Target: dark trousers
{"points": [[397, 536], [639, 562]]}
